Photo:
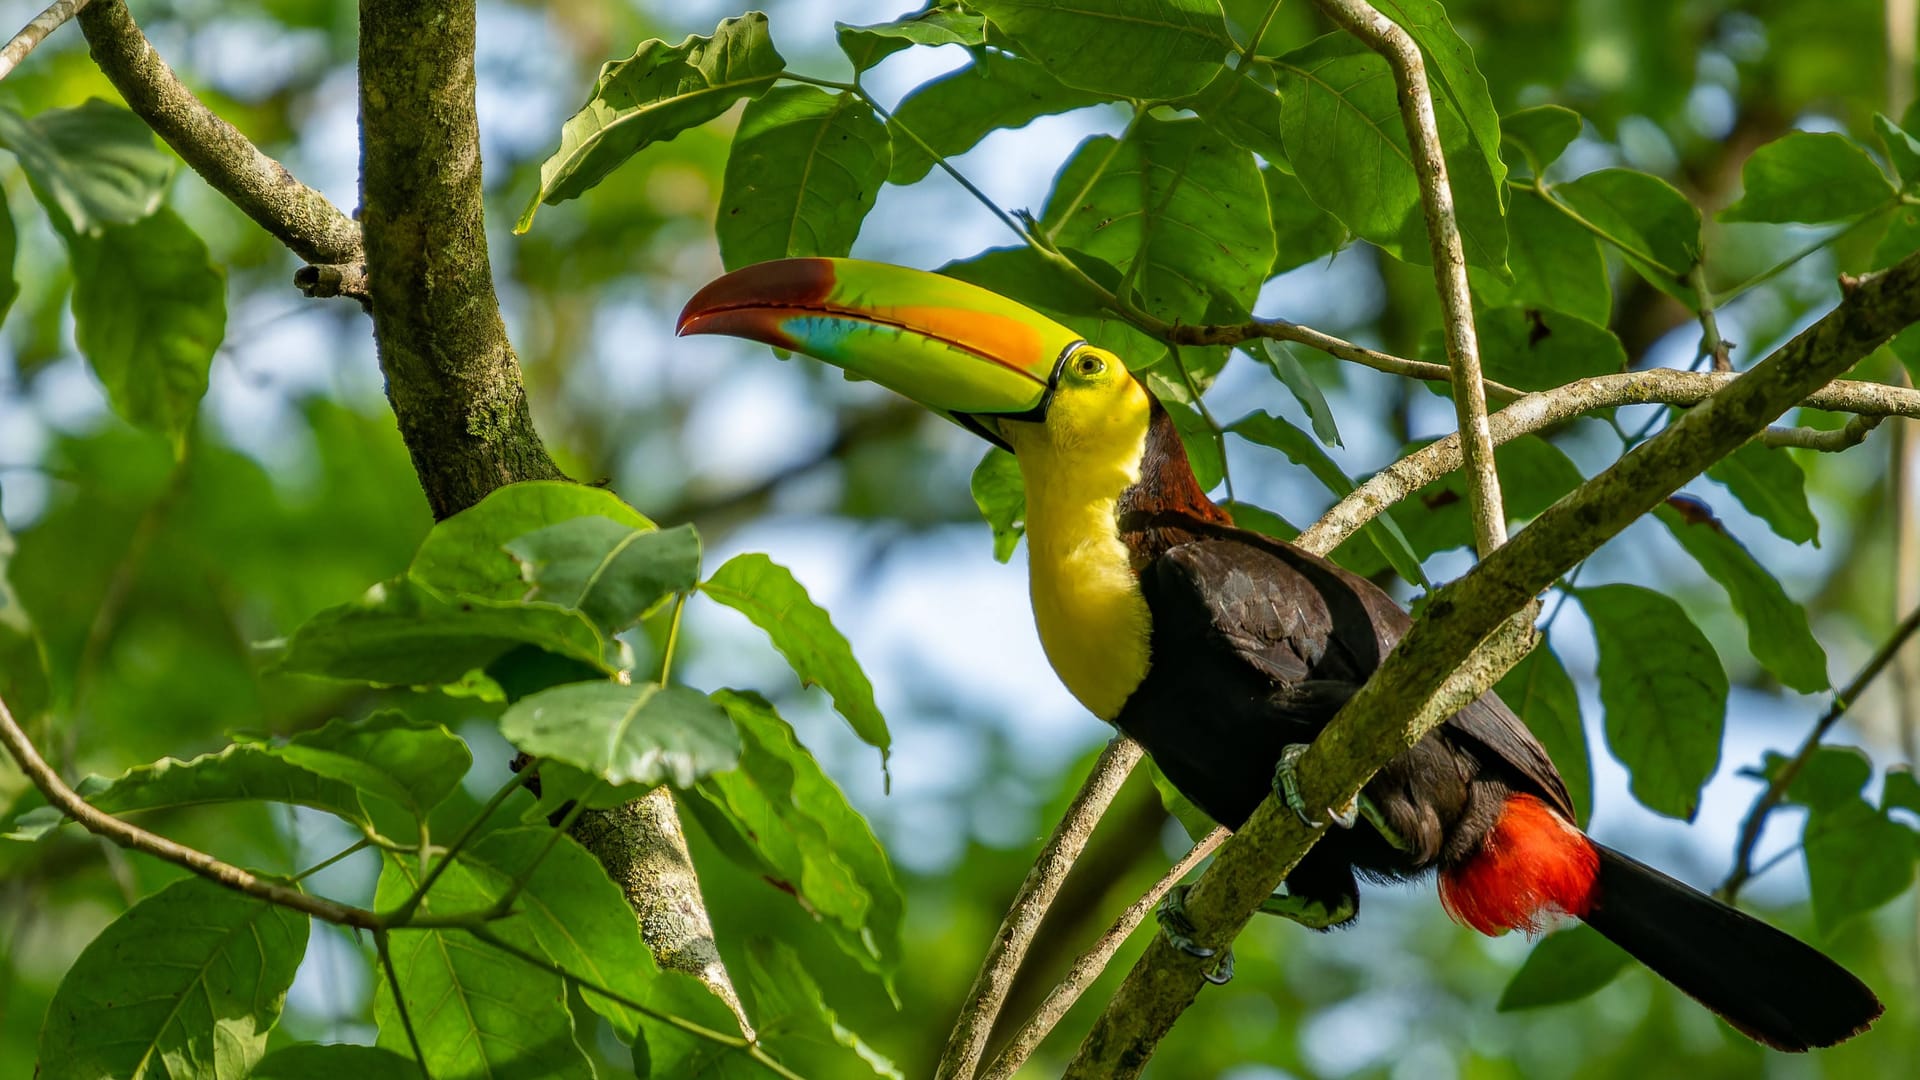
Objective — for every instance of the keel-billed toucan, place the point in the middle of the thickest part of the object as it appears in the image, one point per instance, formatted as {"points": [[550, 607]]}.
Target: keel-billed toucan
{"points": [[1219, 649]]}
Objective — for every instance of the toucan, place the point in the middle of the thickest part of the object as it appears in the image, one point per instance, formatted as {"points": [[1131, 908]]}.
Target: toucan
{"points": [[1223, 651]]}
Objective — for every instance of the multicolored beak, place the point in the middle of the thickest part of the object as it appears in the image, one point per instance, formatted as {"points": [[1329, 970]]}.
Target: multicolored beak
{"points": [[960, 350]]}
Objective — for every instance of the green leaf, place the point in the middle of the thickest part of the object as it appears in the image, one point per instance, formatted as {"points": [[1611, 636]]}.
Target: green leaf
{"points": [[1244, 111], [781, 816], [187, 983], [1383, 532], [639, 734], [789, 1012], [804, 170], [1150, 49], [1831, 777], [1001, 494], [1902, 149], [9, 245], [23, 670], [1902, 790], [614, 573], [402, 633], [478, 1011], [953, 113], [1539, 689], [91, 166], [1542, 134], [238, 773], [1809, 177], [1857, 859], [1537, 348], [866, 46], [467, 553], [1175, 197], [1340, 111], [149, 310], [1777, 631], [1204, 454], [1556, 264], [1664, 691], [331, 1061], [1302, 232], [1646, 218], [1771, 485], [414, 764], [767, 594], [1453, 76], [1566, 965], [1534, 474], [652, 96], [1260, 520], [1279, 358]]}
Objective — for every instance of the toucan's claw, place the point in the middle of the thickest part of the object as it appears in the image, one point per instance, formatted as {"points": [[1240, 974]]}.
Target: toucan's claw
{"points": [[1286, 781], [1174, 923], [1312, 914]]}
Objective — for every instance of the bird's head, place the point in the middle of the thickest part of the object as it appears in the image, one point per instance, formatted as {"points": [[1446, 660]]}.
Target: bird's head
{"points": [[997, 368]]}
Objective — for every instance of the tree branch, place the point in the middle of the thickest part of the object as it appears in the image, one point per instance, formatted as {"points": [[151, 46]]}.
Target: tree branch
{"points": [[1397, 47], [263, 189], [36, 31], [1422, 677], [968, 1042]]}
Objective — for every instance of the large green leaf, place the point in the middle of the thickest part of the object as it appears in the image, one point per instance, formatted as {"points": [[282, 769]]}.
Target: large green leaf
{"points": [[1452, 76], [954, 112], [1566, 965], [1771, 485], [1810, 177], [1001, 494], [1650, 222], [1777, 630], [414, 764], [92, 166], [1541, 133], [1539, 689], [652, 96], [187, 983], [1151, 49], [402, 633], [478, 1012], [613, 573], [1244, 111], [1858, 858], [1537, 348], [1664, 691], [866, 46], [767, 594], [23, 671], [1556, 264], [149, 309], [625, 734], [1185, 205], [467, 553], [1279, 358], [780, 815], [331, 1061], [805, 168], [1534, 474], [1829, 778], [1302, 232], [1902, 149], [1348, 144], [238, 773]]}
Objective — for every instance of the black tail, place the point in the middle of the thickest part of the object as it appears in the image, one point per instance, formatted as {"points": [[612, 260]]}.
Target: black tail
{"points": [[1776, 989]]}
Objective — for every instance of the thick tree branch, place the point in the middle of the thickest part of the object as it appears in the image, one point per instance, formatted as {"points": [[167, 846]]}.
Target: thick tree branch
{"points": [[295, 214], [36, 31], [968, 1042], [1422, 678], [1398, 48]]}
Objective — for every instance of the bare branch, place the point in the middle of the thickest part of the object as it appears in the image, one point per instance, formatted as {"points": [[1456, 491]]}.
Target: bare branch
{"points": [[968, 1042], [1826, 440], [296, 215], [1094, 961], [1397, 47], [36, 31], [128, 835], [1420, 678]]}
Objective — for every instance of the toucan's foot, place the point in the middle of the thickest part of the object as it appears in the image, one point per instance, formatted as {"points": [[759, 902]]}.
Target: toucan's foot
{"points": [[1286, 781], [1312, 914], [1174, 923]]}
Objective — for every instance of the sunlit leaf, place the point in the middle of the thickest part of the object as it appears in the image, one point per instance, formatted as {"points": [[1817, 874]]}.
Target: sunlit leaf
{"points": [[625, 734], [1452, 75], [767, 594], [1302, 232], [187, 983], [1153, 49], [1664, 692], [1777, 630], [149, 309], [654, 95], [467, 553], [789, 1012], [1771, 485], [1566, 965], [91, 166], [1539, 689], [1556, 264], [1001, 494], [1810, 177], [1243, 110], [331, 1061], [1902, 149], [951, 114], [1646, 219], [413, 763], [866, 46], [613, 573], [805, 168]]}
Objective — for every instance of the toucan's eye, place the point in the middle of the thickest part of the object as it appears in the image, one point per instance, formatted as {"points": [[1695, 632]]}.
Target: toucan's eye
{"points": [[1088, 364]]}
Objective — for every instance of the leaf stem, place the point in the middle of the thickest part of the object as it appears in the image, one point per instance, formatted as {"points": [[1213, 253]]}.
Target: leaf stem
{"points": [[1780, 267], [673, 639], [403, 914], [503, 907], [350, 850], [383, 946]]}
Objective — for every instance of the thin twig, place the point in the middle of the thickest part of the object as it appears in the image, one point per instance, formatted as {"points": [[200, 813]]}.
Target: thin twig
{"points": [[399, 916], [968, 1042], [1769, 799], [35, 32], [1092, 962], [1712, 345], [1826, 440], [1397, 47]]}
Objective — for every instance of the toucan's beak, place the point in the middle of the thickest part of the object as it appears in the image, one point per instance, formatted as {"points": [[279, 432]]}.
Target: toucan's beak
{"points": [[960, 350]]}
